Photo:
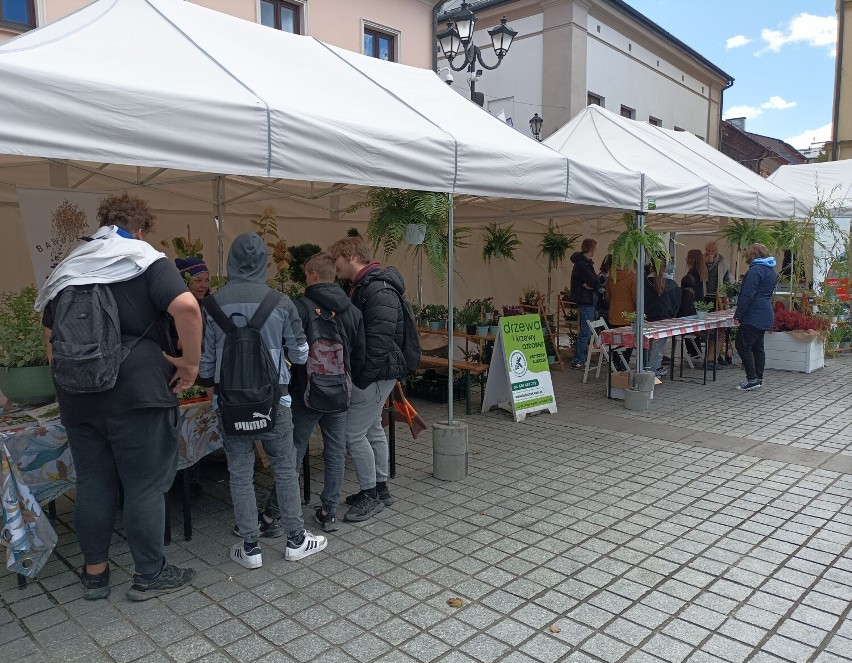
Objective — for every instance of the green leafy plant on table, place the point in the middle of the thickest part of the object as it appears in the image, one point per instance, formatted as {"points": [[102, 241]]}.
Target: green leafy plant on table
{"points": [[704, 306], [22, 340]]}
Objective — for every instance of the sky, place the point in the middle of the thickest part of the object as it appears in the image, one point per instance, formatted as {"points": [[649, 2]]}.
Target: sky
{"points": [[780, 53]]}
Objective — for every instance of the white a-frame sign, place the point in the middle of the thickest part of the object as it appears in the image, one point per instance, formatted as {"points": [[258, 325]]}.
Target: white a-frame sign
{"points": [[519, 377]]}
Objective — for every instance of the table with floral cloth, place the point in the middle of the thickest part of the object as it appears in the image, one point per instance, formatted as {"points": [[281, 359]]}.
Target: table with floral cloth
{"points": [[625, 337], [36, 466]]}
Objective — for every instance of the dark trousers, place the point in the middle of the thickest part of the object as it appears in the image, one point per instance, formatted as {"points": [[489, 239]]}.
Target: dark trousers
{"points": [[139, 449], [749, 344]]}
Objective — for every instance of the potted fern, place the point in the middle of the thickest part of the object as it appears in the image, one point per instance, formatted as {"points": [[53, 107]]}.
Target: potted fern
{"points": [[625, 248], [24, 370], [742, 233], [555, 246], [702, 308], [499, 242]]}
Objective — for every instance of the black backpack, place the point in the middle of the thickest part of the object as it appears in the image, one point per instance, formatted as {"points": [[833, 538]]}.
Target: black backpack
{"points": [[328, 377], [410, 347], [248, 388], [86, 339]]}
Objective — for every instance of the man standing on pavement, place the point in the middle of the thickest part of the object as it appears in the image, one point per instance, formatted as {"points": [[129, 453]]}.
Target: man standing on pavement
{"points": [[125, 435], [282, 335], [584, 284], [323, 297], [377, 292]]}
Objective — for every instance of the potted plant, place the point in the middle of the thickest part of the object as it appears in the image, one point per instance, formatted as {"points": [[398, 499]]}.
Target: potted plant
{"points": [[531, 297], [625, 248], [835, 336], [796, 341], [468, 316], [702, 308], [555, 246], [499, 242], [437, 314], [420, 314], [24, 370], [742, 233], [846, 337], [730, 291]]}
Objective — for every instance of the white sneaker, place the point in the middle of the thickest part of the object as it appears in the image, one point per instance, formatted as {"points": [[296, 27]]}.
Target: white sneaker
{"points": [[312, 544], [250, 560]]}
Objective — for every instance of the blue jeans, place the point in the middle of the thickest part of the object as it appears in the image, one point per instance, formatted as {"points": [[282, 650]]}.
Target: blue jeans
{"points": [[278, 445], [655, 354], [333, 427], [587, 314]]}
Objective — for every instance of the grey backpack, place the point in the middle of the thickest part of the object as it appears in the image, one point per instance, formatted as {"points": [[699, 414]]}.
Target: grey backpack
{"points": [[86, 339]]}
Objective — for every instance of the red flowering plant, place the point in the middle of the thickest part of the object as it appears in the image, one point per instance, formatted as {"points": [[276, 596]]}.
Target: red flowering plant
{"points": [[806, 327]]}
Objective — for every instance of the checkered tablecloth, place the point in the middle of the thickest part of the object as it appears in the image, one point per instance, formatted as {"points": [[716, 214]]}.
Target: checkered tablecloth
{"points": [[625, 337]]}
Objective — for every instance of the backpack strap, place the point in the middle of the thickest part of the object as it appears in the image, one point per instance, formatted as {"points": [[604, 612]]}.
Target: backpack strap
{"points": [[212, 307], [264, 310]]}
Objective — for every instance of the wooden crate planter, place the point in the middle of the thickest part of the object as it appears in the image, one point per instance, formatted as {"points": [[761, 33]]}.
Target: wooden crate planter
{"points": [[786, 353]]}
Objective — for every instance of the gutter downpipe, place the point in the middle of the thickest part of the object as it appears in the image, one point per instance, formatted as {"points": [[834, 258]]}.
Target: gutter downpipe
{"points": [[838, 71], [640, 283], [729, 84], [435, 11]]}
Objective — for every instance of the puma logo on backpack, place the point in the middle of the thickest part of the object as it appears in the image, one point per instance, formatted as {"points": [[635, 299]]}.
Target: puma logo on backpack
{"points": [[328, 383], [247, 391]]}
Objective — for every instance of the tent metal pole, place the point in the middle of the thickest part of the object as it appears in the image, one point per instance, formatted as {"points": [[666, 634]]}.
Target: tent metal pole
{"points": [[220, 219], [640, 283], [450, 321]]}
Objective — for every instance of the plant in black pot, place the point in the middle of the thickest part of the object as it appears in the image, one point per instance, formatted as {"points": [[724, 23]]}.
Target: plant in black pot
{"points": [[24, 370], [468, 316]]}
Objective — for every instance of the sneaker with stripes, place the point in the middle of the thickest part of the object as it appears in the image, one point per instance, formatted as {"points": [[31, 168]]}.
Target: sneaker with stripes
{"points": [[250, 559], [310, 544]]}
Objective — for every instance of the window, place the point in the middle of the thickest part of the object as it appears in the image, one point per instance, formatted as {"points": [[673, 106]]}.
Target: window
{"points": [[628, 113], [286, 16], [657, 122], [379, 45], [594, 100], [18, 13]]}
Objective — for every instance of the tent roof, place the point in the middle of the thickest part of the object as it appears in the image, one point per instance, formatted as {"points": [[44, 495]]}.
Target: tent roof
{"points": [[831, 180], [169, 84], [683, 174]]}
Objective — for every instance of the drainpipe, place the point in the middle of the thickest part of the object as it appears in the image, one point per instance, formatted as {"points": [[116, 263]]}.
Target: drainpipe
{"points": [[838, 70], [721, 106], [435, 11]]}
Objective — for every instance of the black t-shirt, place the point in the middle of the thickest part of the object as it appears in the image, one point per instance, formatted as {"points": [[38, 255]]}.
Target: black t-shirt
{"points": [[143, 379]]}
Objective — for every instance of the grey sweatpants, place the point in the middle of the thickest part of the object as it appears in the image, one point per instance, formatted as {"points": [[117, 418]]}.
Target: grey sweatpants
{"points": [[366, 442]]}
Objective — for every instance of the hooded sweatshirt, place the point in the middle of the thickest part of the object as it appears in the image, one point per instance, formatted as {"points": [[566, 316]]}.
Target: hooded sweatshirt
{"points": [[243, 293], [754, 306], [378, 292]]}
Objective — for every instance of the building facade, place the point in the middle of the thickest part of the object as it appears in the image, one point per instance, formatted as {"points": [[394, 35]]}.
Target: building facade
{"points": [[761, 154], [398, 30], [570, 53], [841, 133]]}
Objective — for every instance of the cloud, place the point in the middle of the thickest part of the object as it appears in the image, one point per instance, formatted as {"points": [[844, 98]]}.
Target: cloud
{"points": [[777, 103], [818, 31], [748, 112], [737, 41], [803, 140]]}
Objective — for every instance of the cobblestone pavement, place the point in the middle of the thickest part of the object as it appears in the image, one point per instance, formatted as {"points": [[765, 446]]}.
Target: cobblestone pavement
{"points": [[716, 527]]}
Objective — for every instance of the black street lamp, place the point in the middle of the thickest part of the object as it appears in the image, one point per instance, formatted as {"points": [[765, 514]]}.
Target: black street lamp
{"points": [[457, 40], [535, 126]]}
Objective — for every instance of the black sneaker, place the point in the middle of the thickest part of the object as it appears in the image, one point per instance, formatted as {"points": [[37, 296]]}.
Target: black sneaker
{"points": [[748, 385], [385, 496], [327, 520], [576, 366], [95, 587], [170, 579], [352, 499], [267, 530], [364, 509]]}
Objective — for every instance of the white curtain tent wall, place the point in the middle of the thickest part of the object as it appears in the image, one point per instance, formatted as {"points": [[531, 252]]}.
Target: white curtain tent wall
{"points": [[831, 180]]}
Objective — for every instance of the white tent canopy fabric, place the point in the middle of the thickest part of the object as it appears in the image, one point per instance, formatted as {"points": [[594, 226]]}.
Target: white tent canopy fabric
{"points": [[169, 84], [831, 181], [683, 174]]}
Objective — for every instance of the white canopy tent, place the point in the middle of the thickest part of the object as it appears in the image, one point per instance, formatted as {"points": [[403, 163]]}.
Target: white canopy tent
{"points": [[831, 180]]}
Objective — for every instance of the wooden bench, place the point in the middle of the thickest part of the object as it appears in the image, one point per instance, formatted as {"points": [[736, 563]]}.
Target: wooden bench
{"points": [[467, 367]]}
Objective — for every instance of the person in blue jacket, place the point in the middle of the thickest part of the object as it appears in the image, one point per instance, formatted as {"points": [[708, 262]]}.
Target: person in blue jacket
{"points": [[754, 314]]}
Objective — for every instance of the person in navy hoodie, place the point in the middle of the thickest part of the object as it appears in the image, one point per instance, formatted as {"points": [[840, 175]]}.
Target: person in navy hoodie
{"points": [[754, 314]]}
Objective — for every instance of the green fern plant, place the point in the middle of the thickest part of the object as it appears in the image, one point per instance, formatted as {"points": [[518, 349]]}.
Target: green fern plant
{"points": [[625, 247], [555, 246], [499, 242], [742, 233]]}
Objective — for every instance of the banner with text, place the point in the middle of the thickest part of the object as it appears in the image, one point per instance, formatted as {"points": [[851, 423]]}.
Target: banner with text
{"points": [[54, 221], [519, 379]]}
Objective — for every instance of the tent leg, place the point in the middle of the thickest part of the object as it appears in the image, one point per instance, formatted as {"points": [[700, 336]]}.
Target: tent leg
{"points": [[640, 285], [220, 218], [450, 321]]}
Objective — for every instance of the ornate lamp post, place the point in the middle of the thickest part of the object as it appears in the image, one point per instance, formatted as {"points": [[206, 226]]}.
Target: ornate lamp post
{"points": [[535, 126], [457, 40]]}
